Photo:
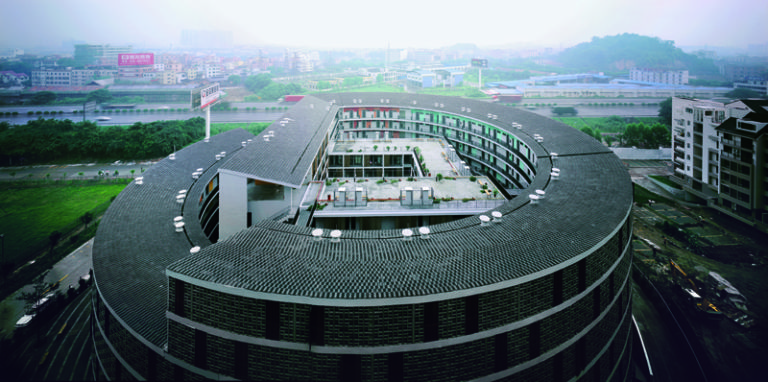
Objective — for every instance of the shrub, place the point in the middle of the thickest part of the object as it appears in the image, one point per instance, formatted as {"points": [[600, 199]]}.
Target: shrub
{"points": [[472, 179]]}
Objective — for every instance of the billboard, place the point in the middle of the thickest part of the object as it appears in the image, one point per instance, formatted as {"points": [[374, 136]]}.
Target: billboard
{"points": [[135, 59], [206, 96], [479, 63]]}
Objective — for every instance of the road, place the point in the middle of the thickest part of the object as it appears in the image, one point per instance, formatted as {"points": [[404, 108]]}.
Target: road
{"points": [[66, 272], [133, 117], [58, 348]]}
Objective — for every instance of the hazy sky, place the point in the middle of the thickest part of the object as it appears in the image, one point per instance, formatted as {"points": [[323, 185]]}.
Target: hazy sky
{"points": [[369, 24]]}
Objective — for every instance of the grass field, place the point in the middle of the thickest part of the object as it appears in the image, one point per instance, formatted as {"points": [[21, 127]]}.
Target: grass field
{"points": [[252, 127], [603, 123], [31, 212]]}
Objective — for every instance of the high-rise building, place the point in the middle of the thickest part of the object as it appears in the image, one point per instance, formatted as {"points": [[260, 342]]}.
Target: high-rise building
{"points": [[99, 55]]}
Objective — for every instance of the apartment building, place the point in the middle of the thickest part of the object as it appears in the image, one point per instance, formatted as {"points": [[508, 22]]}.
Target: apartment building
{"points": [[719, 155], [743, 173], [695, 144]]}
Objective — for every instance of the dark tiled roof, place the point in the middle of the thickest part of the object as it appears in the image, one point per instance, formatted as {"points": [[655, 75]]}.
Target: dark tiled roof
{"points": [[289, 153], [730, 125], [136, 239], [591, 198]]}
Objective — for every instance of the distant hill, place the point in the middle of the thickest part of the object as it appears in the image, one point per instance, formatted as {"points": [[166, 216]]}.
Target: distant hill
{"points": [[621, 52]]}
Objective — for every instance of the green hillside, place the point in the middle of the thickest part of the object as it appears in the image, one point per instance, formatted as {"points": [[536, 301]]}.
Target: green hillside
{"points": [[617, 54]]}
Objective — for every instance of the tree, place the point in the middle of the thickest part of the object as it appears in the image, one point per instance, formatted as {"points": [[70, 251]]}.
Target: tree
{"points": [[54, 239], [234, 79], [741, 93], [660, 136], [665, 111], [43, 98], [86, 218], [99, 96], [258, 82]]}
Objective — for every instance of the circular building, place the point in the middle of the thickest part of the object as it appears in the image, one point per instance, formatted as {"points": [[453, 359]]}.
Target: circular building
{"points": [[372, 236]]}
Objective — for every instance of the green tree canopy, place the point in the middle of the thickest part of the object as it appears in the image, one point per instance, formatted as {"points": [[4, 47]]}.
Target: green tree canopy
{"points": [[99, 96], [665, 111], [234, 79], [258, 82], [741, 93], [43, 98]]}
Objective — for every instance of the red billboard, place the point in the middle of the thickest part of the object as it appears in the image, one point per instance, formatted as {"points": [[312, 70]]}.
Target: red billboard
{"points": [[135, 59]]}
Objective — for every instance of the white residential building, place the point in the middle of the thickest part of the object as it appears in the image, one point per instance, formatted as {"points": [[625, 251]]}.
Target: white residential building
{"points": [[695, 144]]}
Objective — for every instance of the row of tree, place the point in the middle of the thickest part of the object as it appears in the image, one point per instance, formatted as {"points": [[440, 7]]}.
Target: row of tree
{"points": [[637, 135], [50, 140]]}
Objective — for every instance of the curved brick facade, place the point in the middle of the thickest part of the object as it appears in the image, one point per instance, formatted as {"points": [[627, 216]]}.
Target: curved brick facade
{"points": [[541, 311]]}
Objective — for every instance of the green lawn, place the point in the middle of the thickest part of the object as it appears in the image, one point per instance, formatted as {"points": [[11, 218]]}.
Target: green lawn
{"points": [[31, 212], [252, 127]]}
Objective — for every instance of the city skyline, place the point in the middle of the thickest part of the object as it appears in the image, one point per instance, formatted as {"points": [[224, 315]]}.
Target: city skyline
{"points": [[399, 24]]}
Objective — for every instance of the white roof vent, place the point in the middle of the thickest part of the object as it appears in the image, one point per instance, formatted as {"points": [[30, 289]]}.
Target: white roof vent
{"points": [[463, 108], [424, 231], [194, 250], [179, 226], [139, 180], [534, 198], [354, 100], [223, 154], [243, 143], [271, 133], [335, 235], [195, 175], [387, 100], [407, 234], [249, 140], [200, 170], [484, 219], [541, 193], [180, 198], [266, 138], [317, 234], [172, 156], [178, 219], [218, 156], [555, 169], [496, 216], [441, 105], [490, 116], [207, 139], [553, 156], [182, 192], [469, 110], [414, 102], [437, 104], [311, 106], [359, 100], [381, 100]]}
